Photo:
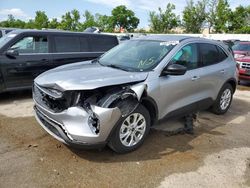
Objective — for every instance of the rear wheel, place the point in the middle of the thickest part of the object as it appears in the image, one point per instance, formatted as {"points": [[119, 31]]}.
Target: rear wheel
{"points": [[223, 100], [131, 131]]}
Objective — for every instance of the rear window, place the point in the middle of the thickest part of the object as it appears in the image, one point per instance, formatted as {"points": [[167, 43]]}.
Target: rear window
{"points": [[102, 43], [241, 47], [67, 44], [211, 54]]}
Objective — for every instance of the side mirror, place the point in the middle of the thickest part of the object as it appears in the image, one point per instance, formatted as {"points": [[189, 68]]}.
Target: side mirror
{"points": [[12, 53], [174, 69]]}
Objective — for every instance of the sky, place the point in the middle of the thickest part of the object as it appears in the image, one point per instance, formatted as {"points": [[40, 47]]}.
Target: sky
{"points": [[25, 9]]}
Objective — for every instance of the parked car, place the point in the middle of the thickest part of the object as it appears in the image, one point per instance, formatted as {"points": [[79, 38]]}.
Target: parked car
{"points": [[5, 31], [243, 65], [92, 30], [241, 49], [24, 54], [115, 99]]}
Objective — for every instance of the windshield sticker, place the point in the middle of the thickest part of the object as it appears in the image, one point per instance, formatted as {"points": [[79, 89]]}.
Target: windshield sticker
{"points": [[168, 43]]}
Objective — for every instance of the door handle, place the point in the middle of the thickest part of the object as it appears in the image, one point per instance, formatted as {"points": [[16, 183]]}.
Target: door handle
{"points": [[195, 78], [222, 71]]}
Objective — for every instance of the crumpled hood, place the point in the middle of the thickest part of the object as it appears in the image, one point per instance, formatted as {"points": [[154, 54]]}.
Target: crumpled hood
{"points": [[86, 76]]}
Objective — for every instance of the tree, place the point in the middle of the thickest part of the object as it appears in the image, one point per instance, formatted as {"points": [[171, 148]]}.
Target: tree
{"points": [[222, 16], [53, 24], [70, 21], [41, 20], [104, 22], [239, 19], [211, 17], [194, 16], [124, 18], [165, 20], [89, 20]]}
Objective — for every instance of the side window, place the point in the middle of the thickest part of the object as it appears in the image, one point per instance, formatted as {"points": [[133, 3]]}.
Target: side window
{"points": [[187, 56], [211, 54], [222, 55], [84, 44], [102, 43], [67, 44], [32, 44]]}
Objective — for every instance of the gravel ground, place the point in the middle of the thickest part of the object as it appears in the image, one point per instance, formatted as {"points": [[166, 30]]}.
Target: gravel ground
{"points": [[217, 155]]}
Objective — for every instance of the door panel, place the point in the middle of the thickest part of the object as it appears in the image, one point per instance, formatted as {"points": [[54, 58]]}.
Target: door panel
{"points": [[23, 69], [180, 91], [30, 60]]}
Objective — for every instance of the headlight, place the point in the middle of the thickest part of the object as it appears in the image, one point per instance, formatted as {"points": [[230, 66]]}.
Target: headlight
{"points": [[238, 64], [55, 93]]}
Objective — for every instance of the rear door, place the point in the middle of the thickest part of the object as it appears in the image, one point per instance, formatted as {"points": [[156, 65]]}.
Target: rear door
{"points": [[32, 59], [215, 68], [72, 48]]}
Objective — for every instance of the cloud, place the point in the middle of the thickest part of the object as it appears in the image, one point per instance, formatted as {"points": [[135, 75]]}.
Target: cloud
{"points": [[14, 11], [112, 3]]}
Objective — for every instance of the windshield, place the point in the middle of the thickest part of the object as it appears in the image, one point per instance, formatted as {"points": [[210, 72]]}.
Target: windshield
{"points": [[137, 55], [241, 47], [6, 38]]}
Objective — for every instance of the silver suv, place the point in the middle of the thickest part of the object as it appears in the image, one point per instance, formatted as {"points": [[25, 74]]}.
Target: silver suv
{"points": [[116, 98]]}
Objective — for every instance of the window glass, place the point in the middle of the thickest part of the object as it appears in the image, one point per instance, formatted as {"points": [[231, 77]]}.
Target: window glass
{"points": [[209, 54], [137, 55], [241, 47], [102, 43], [67, 44], [222, 55], [35, 44], [84, 44], [187, 57]]}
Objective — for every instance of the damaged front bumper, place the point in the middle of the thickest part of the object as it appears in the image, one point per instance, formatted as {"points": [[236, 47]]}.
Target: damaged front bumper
{"points": [[73, 126]]}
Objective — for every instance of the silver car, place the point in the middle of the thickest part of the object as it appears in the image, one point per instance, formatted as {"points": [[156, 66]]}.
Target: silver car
{"points": [[116, 98]]}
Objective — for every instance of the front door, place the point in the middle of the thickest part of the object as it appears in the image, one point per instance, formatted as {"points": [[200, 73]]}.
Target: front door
{"points": [[181, 92], [32, 58]]}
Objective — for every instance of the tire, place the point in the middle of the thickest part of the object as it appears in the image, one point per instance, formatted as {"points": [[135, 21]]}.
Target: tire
{"points": [[226, 92], [123, 143]]}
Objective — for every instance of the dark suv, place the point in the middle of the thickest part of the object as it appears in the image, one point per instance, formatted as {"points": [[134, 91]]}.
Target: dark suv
{"points": [[24, 54]]}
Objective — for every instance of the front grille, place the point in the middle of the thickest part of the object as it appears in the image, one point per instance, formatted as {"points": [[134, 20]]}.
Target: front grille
{"points": [[245, 66], [47, 101]]}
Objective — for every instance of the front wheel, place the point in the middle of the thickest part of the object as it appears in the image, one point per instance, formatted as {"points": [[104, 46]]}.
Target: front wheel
{"points": [[223, 100], [131, 131]]}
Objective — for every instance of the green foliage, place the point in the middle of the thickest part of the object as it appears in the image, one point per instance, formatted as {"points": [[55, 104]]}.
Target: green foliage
{"points": [[239, 20], [70, 21], [165, 20], [124, 18], [222, 16], [12, 22], [41, 20], [217, 15], [194, 16], [53, 24]]}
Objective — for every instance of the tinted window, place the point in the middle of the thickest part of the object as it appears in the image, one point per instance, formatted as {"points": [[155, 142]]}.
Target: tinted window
{"points": [[32, 44], [221, 54], [209, 54], [67, 44], [187, 57], [102, 43], [84, 44], [241, 47]]}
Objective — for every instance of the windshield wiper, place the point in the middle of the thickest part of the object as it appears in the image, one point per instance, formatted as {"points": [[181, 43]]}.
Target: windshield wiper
{"points": [[117, 67]]}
